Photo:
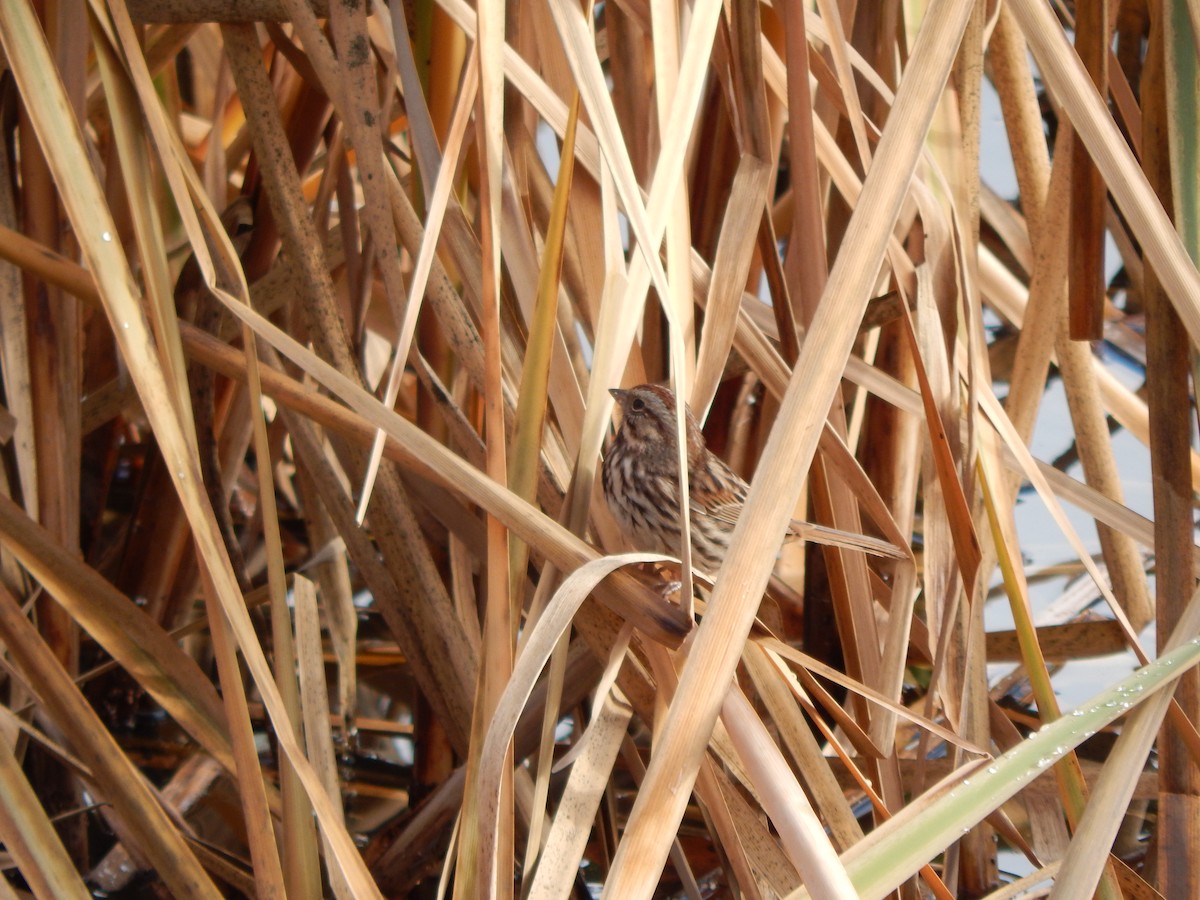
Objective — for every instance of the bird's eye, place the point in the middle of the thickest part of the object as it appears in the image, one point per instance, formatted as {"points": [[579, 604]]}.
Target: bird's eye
{"points": [[638, 405]]}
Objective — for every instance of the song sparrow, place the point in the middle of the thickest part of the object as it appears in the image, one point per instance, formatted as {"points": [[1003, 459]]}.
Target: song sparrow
{"points": [[641, 484]]}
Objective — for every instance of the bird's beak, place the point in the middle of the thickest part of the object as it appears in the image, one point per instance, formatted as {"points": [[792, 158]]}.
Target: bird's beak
{"points": [[619, 395]]}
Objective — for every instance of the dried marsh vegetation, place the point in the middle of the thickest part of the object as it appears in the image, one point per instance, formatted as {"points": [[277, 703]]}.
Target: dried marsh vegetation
{"points": [[309, 317]]}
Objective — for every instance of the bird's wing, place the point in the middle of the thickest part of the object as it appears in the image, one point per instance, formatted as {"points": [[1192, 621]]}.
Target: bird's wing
{"points": [[717, 492]]}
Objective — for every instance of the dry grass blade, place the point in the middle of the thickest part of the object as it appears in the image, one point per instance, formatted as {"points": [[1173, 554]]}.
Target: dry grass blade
{"points": [[567, 839], [551, 626], [801, 832], [309, 314], [440, 196], [124, 630], [29, 836], [1124, 178], [731, 267], [485, 853], [314, 694], [116, 778]]}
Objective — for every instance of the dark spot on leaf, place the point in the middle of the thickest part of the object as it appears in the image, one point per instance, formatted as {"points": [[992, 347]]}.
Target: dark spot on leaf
{"points": [[359, 52]]}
